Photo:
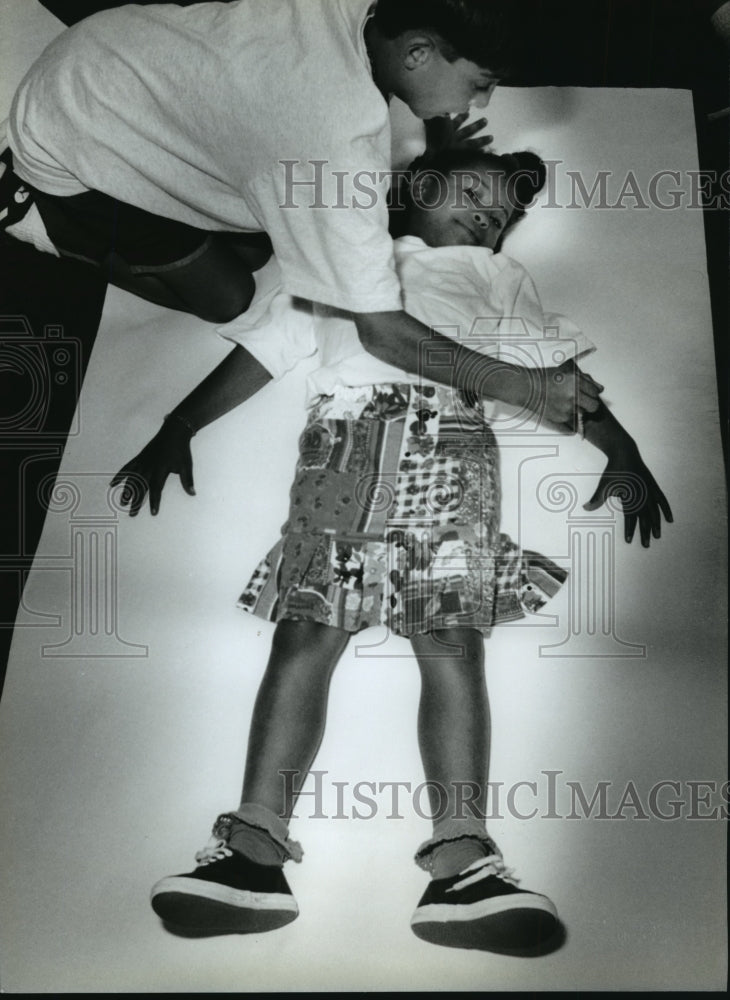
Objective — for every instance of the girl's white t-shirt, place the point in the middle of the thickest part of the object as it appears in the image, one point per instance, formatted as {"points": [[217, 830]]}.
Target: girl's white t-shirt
{"points": [[253, 115], [486, 301]]}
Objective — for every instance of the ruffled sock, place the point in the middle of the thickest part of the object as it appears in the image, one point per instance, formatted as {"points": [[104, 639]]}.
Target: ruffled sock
{"points": [[262, 836], [453, 856]]}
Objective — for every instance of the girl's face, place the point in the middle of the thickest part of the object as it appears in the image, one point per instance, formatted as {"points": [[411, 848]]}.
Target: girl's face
{"points": [[464, 208]]}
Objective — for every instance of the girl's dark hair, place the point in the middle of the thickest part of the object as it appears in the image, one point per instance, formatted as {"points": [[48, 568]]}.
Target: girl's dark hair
{"points": [[487, 32], [524, 172]]}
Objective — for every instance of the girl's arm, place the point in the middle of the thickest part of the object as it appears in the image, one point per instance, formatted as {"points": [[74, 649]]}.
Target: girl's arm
{"points": [[235, 379], [626, 477]]}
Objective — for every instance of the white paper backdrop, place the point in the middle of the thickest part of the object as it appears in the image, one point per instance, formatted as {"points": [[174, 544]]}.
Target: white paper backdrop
{"points": [[124, 719]]}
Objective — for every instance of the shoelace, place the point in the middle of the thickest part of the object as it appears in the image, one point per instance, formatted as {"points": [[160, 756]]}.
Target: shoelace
{"points": [[491, 865], [215, 850], [217, 847]]}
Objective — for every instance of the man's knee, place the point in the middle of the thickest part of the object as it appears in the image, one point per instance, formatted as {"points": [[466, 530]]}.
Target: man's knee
{"points": [[227, 304], [216, 296]]}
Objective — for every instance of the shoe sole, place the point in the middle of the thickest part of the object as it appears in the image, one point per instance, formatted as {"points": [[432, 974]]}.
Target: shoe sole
{"points": [[194, 904], [511, 922]]}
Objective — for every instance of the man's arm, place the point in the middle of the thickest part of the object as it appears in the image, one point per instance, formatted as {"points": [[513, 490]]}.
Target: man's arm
{"points": [[555, 394], [238, 377]]}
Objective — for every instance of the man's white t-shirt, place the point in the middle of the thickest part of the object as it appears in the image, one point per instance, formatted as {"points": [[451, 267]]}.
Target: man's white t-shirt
{"points": [[239, 116], [486, 301]]}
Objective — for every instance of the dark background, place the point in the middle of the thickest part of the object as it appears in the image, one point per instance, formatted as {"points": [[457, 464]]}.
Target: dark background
{"points": [[589, 43]]}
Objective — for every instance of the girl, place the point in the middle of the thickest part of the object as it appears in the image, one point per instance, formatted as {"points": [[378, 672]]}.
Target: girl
{"points": [[394, 519]]}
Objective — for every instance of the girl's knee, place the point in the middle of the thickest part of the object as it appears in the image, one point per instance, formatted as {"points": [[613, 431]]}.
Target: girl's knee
{"points": [[450, 656], [449, 643], [305, 637]]}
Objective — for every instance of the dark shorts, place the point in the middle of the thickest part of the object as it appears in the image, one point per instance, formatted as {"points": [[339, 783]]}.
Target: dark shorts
{"points": [[90, 226]]}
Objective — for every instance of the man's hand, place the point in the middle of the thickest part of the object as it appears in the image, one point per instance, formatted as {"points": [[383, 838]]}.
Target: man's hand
{"points": [[557, 395], [627, 478], [450, 133], [167, 452]]}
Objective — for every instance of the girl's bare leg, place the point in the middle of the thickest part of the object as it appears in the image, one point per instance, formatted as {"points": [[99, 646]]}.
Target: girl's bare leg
{"points": [[290, 710], [472, 900], [453, 717], [454, 738], [239, 886]]}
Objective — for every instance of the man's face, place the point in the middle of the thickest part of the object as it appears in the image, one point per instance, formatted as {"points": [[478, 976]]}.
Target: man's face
{"points": [[432, 86], [464, 208]]}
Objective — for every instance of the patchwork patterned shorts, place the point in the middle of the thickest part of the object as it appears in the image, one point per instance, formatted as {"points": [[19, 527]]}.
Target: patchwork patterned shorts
{"points": [[394, 520]]}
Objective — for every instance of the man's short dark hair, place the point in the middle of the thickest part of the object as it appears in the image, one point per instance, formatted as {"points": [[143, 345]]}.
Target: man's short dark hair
{"points": [[486, 32]]}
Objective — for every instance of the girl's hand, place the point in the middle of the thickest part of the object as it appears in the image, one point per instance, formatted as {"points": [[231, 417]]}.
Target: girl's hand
{"points": [[627, 478], [167, 452], [451, 133]]}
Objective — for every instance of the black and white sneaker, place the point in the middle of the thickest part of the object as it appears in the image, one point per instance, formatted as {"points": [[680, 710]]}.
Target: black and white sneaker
{"points": [[482, 907], [226, 894]]}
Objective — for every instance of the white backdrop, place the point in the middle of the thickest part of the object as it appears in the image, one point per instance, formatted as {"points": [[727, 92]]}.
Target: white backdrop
{"points": [[124, 719]]}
